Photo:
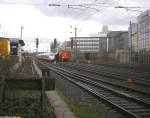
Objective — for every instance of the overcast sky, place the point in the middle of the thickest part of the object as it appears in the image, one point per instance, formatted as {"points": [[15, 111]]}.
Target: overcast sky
{"points": [[48, 22]]}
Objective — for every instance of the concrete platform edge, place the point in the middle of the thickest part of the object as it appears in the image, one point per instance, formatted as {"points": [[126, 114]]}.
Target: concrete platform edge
{"points": [[60, 108]]}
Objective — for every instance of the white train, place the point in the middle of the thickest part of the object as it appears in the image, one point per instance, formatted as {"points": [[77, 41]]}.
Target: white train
{"points": [[47, 56]]}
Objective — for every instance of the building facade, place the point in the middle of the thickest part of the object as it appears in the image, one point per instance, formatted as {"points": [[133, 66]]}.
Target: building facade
{"points": [[118, 45], [117, 40], [140, 32], [144, 30], [139, 38], [103, 45], [89, 44], [94, 46], [133, 39], [112, 45]]}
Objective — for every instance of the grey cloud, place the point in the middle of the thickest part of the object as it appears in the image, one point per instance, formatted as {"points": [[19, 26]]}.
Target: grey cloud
{"points": [[107, 15], [79, 12]]}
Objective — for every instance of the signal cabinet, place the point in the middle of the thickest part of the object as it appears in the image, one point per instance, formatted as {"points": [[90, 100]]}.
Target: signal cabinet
{"points": [[4, 47]]}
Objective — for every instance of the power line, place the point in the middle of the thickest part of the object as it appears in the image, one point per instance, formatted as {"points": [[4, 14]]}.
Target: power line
{"points": [[126, 7], [108, 5], [93, 6], [131, 8], [72, 6], [14, 3], [80, 6], [77, 6], [84, 4]]}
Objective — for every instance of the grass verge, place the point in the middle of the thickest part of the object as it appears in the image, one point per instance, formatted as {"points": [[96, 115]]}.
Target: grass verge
{"points": [[77, 108]]}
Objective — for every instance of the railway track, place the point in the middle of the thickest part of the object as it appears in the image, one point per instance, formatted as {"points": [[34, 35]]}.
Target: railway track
{"points": [[143, 76], [26, 71], [112, 76], [122, 70], [131, 106], [139, 68]]}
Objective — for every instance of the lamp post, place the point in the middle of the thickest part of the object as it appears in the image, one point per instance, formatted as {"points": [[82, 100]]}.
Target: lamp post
{"points": [[50, 45], [75, 40], [21, 32], [37, 44], [75, 32], [19, 46]]}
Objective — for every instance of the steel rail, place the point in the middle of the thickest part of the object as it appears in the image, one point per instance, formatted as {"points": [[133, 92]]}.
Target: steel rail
{"points": [[84, 79], [96, 93], [113, 71], [104, 80], [122, 71], [112, 75]]}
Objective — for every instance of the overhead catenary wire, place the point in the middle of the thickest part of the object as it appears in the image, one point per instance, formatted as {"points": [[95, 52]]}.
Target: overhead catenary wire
{"points": [[83, 7], [84, 4], [72, 6], [131, 8], [22, 3], [94, 7], [90, 6], [77, 6], [107, 5]]}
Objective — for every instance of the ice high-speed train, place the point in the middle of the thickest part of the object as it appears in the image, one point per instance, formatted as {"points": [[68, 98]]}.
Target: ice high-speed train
{"points": [[52, 57], [47, 56]]}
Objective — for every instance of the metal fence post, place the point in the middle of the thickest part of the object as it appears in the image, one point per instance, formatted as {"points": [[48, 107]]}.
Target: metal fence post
{"points": [[45, 74], [2, 90]]}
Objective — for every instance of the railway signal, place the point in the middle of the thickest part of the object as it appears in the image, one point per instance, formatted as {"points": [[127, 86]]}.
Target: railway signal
{"points": [[37, 43], [55, 43]]}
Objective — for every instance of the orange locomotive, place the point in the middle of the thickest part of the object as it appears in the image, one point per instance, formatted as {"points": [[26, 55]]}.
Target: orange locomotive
{"points": [[63, 56]]}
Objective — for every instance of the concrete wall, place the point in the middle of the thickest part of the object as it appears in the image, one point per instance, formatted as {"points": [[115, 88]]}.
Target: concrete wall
{"points": [[117, 40]]}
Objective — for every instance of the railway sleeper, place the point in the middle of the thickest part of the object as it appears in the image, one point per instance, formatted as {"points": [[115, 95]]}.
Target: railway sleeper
{"points": [[130, 107], [127, 104], [122, 103], [140, 110], [143, 114]]}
